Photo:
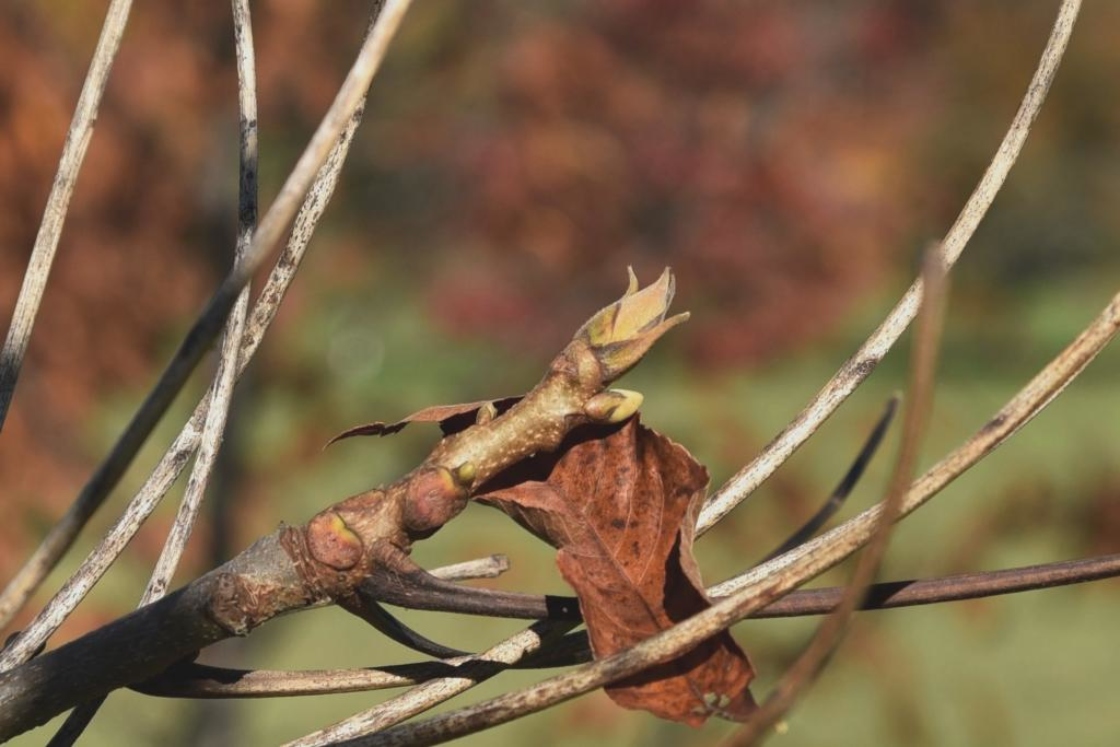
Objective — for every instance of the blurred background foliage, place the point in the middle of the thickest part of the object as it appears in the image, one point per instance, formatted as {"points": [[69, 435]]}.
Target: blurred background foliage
{"points": [[789, 161]]}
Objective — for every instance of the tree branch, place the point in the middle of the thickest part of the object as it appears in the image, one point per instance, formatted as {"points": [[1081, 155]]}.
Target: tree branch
{"points": [[363, 536], [770, 581]]}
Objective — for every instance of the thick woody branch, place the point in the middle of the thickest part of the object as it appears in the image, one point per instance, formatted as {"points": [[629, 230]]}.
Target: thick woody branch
{"points": [[771, 581], [361, 537], [226, 602]]}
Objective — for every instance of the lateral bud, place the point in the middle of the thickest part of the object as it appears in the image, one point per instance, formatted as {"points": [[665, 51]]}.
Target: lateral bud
{"points": [[613, 405], [433, 496], [333, 543]]}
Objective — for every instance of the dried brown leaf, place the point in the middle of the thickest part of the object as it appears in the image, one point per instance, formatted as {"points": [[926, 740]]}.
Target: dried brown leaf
{"points": [[620, 503], [451, 419]]}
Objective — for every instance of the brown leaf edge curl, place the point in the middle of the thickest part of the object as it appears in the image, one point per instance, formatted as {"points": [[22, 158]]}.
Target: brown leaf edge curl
{"points": [[451, 419], [620, 503]]}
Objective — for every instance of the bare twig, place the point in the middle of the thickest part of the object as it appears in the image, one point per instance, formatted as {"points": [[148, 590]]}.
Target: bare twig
{"points": [[834, 545], [886, 595], [346, 107], [470, 672], [226, 375], [859, 366], [491, 566], [58, 203], [808, 666], [373, 613], [365, 535], [892, 594], [203, 681]]}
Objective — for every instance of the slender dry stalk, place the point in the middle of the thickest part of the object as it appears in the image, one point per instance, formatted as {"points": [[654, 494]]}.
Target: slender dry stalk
{"points": [[178, 454], [470, 671], [226, 375], [857, 368], [826, 640], [342, 113], [58, 204], [491, 566], [1030, 400]]}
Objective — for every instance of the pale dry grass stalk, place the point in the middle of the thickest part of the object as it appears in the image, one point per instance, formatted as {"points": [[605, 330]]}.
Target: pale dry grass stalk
{"points": [[470, 671], [226, 375], [342, 115], [58, 204]]}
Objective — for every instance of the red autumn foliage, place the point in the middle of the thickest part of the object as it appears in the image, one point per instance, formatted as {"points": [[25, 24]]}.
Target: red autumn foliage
{"points": [[750, 146]]}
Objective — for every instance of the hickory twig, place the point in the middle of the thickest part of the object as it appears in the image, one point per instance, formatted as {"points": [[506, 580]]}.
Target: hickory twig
{"points": [[330, 556]]}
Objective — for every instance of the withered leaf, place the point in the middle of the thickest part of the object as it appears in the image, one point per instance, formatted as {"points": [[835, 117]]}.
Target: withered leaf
{"points": [[451, 419], [620, 503]]}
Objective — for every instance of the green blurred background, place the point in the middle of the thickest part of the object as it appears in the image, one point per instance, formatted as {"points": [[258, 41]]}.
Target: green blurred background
{"points": [[788, 161]]}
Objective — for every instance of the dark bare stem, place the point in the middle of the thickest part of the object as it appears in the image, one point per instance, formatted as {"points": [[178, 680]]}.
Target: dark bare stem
{"points": [[836, 499], [58, 202], [893, 594], [202, 681], [886, 595], [377, 616]]}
